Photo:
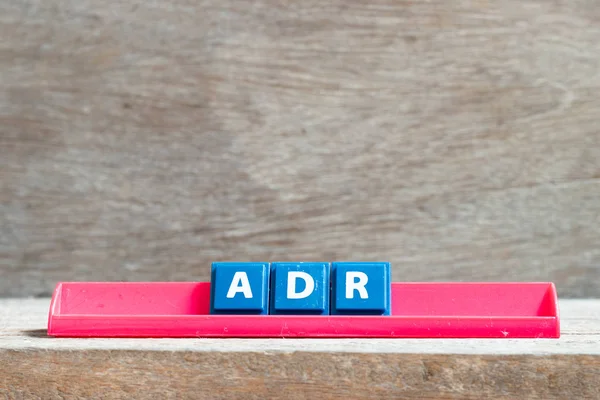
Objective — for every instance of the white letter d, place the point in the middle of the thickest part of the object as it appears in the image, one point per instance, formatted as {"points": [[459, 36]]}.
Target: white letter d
{"points": [[291, 288]]}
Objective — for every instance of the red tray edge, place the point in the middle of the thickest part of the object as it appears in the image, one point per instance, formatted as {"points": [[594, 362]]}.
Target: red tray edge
{"points": [[215, 326], [420, 327]]}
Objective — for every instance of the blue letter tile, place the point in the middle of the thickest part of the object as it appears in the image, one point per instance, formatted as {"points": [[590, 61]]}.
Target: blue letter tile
{"points": [[361, 288], [239, 288], [300, 288]]}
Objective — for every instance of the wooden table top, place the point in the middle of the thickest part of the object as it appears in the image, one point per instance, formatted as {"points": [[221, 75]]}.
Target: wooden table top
{"points": [[33, 364]]}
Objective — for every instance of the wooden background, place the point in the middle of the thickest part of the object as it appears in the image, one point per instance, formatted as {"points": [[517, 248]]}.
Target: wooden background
{"points": [[141, 140]]}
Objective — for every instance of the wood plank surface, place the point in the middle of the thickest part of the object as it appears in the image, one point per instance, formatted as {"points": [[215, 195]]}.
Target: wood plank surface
{"points": [[33, 365], [143, 140]]}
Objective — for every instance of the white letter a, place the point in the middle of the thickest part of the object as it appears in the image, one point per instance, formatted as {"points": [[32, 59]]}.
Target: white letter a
{"points": [[239, 284]]}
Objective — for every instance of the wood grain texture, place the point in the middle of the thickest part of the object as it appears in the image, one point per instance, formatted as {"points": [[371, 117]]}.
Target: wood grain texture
{"points": [[143, 140], [163, 375], [33, 365]]}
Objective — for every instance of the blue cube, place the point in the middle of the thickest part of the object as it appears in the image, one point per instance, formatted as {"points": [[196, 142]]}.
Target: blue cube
{"points": [[300, 288], [239, 288], [361, 288]]}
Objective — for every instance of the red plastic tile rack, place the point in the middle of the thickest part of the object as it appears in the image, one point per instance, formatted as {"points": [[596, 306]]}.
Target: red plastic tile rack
{"points": [[419, 310]]}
